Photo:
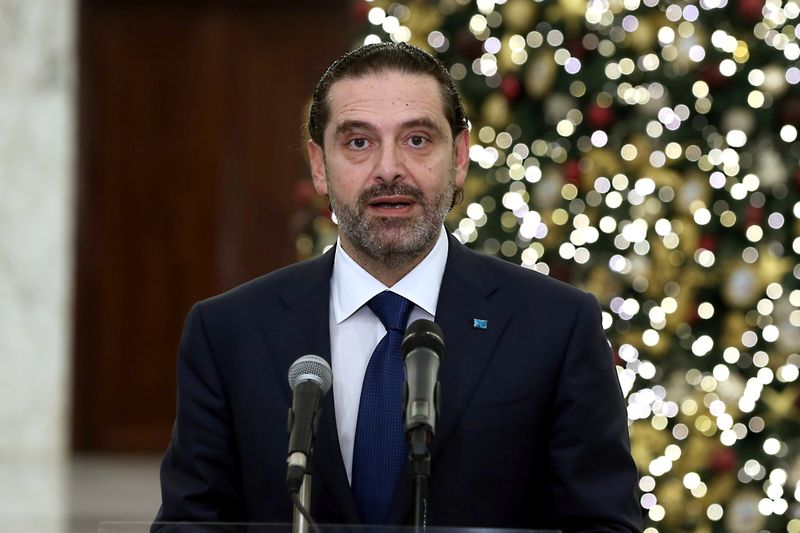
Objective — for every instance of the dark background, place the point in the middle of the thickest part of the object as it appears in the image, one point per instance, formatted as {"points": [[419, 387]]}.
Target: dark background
{"points": [[189, 149]]}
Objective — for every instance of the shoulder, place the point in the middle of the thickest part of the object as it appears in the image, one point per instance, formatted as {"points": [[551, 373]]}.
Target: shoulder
{"points": [[279, 287]]}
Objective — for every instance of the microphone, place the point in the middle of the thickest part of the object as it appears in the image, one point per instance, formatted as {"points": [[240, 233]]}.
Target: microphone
{"points": [[310, 378], [423, 349]]}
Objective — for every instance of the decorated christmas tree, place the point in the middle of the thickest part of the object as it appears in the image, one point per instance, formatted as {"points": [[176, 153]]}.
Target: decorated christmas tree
{"points": [[646, 151]]}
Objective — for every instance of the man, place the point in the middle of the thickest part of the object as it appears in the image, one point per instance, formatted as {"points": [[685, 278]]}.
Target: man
{"points": [[532, 431]]}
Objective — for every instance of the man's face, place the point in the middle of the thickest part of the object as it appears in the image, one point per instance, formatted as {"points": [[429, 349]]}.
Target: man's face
{"points": [[390, 164]]}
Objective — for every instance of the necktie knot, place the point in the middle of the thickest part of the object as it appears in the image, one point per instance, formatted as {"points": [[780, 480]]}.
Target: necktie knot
{"points": [[391, 309]]}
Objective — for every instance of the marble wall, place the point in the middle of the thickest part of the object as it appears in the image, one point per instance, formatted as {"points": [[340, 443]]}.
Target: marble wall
{"points": [[37, 166]]}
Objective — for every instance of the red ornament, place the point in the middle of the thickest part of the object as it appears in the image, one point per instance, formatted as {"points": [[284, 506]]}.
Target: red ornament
{"points": [[708, 242], [751, 10], [572, 172], [723, 460], [510, 87], [712, 76], [576, 48], [599, 117], [753, 215]]}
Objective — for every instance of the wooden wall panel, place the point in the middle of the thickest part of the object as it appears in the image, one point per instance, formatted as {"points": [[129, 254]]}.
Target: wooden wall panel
{"points": [[189, 117]]}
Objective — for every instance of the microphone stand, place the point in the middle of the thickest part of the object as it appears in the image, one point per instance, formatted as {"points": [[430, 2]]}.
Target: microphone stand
{"points": [[299, 522], [419, 439]]}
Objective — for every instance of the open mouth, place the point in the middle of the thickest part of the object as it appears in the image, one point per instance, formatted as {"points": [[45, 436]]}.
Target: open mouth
{"points": [[395, 202], [390, 205]]}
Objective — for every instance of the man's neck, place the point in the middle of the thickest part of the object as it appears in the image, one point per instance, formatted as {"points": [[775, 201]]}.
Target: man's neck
{"points": [[387, 270]]}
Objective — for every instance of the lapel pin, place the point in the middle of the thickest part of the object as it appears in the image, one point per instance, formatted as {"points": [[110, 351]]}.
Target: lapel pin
{"points": [[479, 323]]}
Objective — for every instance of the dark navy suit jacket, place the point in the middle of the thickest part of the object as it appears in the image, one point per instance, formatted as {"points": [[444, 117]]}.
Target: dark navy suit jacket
{"points": [[532, 431]]}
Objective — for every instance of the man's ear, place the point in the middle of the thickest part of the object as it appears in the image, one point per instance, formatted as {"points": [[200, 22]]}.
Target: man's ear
{"points": [[316, 158], [461, 157]]}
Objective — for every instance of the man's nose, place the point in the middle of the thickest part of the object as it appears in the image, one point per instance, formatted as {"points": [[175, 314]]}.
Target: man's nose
{"points": [[390, 165]]}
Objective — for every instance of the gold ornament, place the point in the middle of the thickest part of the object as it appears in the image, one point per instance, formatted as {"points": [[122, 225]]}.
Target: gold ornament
{"points": [[519, 15], [781, 404], [572, 12], [771, 269], [696, 453], [647, 443], [644, 39], [603, 284], [540, 74], [641, 163], [603, 163], [690, 236], [495, 111], [672, 495], [733, 327], [720, 489]]}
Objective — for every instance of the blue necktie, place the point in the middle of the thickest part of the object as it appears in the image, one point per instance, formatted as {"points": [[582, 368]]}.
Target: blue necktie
{"points": [[380, 446]]}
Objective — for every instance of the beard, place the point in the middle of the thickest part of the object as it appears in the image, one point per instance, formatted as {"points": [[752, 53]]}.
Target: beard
{"points": [[393, 241]]}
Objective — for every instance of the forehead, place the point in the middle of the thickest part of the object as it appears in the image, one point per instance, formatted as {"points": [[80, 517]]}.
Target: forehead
{"points": [[385, 97]]}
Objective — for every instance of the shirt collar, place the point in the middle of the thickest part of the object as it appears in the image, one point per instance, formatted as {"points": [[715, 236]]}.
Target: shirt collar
{"points": [[352, 286]]}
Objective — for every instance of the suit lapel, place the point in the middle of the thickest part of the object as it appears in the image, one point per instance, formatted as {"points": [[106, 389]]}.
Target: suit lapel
{"points": [[465, 295], [304, 329]]}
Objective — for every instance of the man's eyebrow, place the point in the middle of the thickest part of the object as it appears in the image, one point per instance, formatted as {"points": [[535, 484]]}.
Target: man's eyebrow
{"points": [[423, 123], [349, 126], [353, 125]]}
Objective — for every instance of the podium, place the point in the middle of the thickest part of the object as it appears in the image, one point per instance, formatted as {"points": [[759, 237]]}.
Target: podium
{"points": [[209, 527]]}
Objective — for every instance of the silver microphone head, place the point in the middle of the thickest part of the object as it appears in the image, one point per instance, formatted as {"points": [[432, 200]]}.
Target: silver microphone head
{"points": [[311, 368]]}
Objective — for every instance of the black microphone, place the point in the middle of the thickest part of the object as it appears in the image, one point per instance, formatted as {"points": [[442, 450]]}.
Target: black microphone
{"points": [[423, 350], [310, 378]]}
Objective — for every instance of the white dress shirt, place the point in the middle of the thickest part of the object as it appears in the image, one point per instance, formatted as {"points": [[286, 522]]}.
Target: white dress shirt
{"points": [[356, 331]]}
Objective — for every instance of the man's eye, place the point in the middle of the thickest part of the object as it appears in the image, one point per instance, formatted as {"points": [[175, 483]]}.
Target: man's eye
{"points": [[417, 141], [359, 143]]}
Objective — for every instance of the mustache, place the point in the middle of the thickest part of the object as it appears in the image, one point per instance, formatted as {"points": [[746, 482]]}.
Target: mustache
{"points": [[390, 189]]}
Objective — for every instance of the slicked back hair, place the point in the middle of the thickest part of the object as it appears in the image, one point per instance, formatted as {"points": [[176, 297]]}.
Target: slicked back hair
{"points": [[379, 58]]}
